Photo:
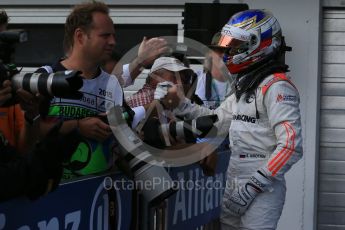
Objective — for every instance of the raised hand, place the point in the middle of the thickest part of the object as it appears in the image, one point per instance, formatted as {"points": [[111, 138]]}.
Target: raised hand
{"points": [[150, 49], [169, 94]]}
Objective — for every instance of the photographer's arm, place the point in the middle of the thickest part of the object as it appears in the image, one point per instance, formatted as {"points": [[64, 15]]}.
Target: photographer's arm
{"points": [[89, 127], [24, 135], [5, 92], [29, 134]]}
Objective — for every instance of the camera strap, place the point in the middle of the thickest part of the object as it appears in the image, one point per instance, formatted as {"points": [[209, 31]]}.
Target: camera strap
{"points": [[48, 69], [164, 126]]}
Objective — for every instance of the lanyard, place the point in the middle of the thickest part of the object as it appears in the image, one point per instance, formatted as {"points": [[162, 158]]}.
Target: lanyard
{"points": [[214, 87]]}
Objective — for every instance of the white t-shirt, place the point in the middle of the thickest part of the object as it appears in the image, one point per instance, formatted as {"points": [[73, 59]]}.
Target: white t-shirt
{"points": [[99, 95], [219, 91]]}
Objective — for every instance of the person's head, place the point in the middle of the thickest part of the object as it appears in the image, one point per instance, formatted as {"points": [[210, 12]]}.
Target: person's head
{"points": [[214, 58], [214, 46], [3, 20], [250, 37], [90, 30], [170, 69]]}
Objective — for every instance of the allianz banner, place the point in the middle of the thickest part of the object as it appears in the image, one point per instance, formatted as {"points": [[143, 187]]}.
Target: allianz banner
{"points": [[198, 200]]}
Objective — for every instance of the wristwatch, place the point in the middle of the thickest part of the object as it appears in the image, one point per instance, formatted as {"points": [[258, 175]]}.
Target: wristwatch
{"points": [[30, 120]]}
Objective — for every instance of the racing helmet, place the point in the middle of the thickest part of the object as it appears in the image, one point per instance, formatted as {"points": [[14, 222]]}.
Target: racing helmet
{"points": [[250, 37]]}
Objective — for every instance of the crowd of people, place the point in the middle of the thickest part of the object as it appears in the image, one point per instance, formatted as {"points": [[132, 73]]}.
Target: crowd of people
{"points": [[244, 82]]}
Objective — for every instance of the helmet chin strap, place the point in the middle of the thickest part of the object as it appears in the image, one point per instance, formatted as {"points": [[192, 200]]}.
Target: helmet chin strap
{"points": [[250, 80]]}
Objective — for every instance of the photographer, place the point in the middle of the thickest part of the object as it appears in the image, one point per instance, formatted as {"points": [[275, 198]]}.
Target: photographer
{"points": [[214, 84], [163, 69], [3, 20], [27, 167], [176, 71], [18, 122]]}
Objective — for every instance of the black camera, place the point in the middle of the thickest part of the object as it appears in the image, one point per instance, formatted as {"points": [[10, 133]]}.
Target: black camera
{"points": [[8, 39], [14, 36], [63, 84], [158, 135]]}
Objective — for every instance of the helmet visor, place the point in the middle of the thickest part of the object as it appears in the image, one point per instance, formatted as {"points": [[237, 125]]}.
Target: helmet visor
{"points": [[227, 41], [232, 46], [232, 36]]}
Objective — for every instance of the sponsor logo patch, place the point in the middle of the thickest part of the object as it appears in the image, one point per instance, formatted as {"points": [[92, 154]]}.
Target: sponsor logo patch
{"points": [[250, 98], [282, 98], [253, 155], [244, 118]]}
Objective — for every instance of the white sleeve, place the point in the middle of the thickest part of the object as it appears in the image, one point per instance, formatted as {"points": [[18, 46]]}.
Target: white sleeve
{"points": [[126, 76], [224, 113], [200, 86], [139, 115], [282, 104]]}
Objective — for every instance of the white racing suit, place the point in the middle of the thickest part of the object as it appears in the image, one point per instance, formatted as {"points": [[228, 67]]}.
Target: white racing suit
{"points": [[265, 133]]}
